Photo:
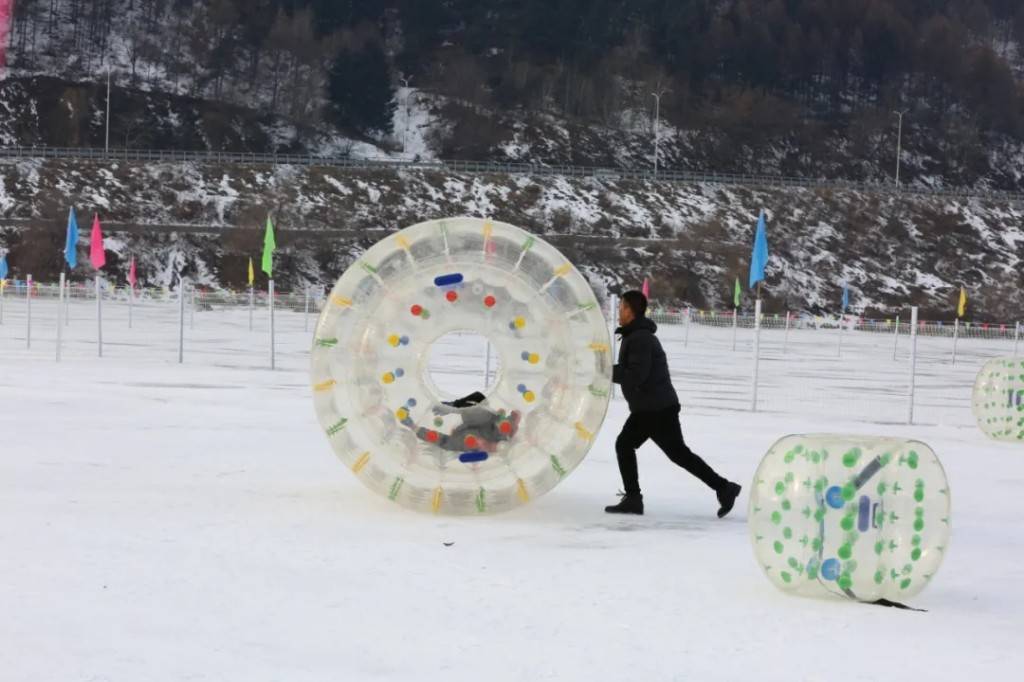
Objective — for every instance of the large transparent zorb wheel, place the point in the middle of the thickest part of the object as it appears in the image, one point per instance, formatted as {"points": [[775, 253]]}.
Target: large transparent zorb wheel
{"points": [[379, 407]]}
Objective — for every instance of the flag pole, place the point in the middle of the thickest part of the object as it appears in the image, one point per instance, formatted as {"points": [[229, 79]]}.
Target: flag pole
{"points": [[271, 304], [735, 314], [99, 317], [131, 298], [252, 301], [181, 319], [60, 307], [28, 312], [956, 333], [841, 320], [3, 286]]}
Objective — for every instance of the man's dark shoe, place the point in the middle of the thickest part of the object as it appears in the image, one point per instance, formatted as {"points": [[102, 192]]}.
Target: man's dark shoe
{"points": [[629, 504], [727, 498]]}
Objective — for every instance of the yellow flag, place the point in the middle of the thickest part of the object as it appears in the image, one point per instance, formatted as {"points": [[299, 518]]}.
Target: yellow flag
{"points": [[962, 308], [252, 275]]}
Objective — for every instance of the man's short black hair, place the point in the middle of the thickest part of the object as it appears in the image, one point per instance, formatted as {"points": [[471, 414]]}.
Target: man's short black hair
{"points": [[636, 301]]}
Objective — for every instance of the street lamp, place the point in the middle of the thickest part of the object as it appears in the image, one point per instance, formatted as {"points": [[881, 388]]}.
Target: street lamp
{"points": [[405, 134], [899, 141], [106, 147], [657, 120]]}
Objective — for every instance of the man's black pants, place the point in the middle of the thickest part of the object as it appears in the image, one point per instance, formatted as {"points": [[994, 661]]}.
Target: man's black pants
{"points": [[663, 428]]}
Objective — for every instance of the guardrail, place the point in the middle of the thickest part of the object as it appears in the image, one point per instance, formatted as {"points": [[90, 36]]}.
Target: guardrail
{"points": [[492, 167]]}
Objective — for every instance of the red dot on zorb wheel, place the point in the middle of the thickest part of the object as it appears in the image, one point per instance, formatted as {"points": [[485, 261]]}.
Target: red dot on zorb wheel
{"points": [[471, 442], [452, 296], [416, 310], [432, 436], [505, 428], [490, 301]]}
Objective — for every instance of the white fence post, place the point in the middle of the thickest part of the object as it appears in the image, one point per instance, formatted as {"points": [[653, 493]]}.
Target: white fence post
{"points": [[181, 319], [785, 339], [757, 354], [689, 321], [131, 301], [3, 286], [60, 308], [1016, 337], [305, 321], [896, 338], [913, 363], [192, 308], [28, 312], [252, 302]]}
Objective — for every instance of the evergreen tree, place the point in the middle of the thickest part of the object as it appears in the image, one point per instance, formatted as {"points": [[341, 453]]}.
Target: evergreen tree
{"points": [[361, 94]]}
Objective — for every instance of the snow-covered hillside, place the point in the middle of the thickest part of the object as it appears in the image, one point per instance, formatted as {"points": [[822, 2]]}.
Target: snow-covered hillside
{"points": [[692, 240]]}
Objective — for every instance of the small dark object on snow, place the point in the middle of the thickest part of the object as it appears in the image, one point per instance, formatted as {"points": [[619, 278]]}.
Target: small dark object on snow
{"points": [[448, 544]]}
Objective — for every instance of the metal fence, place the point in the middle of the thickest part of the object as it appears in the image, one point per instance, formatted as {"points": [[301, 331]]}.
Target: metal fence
{"points": [[862, 371], [499, 168]]}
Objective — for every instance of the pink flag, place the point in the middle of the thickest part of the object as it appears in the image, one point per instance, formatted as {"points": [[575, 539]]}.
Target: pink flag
{"points": [[6, 18], [132, 279], [97, 256], [647, 288]]}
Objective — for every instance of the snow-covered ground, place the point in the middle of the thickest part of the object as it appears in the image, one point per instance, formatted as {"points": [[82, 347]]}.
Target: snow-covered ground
{"points": [[188, 522]]}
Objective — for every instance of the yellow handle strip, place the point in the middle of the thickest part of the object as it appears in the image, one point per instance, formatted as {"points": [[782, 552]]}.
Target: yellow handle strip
{"points": [[521, 491], [341, 302], [435, 503], [563, 270], [581, 430], [325, 385], [403, 242], [599, 347], [361, 462]]}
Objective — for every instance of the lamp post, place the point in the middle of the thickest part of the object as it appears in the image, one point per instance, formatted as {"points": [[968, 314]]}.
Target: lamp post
{"points": [[405, 134], [106, 146], [657, 122], [899, 142]]}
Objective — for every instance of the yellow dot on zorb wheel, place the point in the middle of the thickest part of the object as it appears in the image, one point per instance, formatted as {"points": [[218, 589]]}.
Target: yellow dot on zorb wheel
{"points": [[394, 340], [401, 413], [534, 358], [529, 396], [388, 378], [519, 322]]}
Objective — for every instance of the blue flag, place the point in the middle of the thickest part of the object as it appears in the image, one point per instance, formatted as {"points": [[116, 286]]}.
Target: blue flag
{"points": [[71, 245], [759, 258], [846, 297], [3, 266]]}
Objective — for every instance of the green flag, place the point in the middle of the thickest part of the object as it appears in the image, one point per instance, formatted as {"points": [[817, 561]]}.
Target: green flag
{"points": [[736, 294], [269, 246]]}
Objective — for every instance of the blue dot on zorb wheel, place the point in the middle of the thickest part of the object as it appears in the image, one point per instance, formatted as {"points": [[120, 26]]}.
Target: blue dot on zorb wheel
{"points": [[399, 372], [404, 340], [411, 402], [834, 497], [830, 569], [525, 355], [521, 388]]}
